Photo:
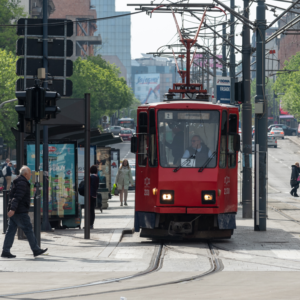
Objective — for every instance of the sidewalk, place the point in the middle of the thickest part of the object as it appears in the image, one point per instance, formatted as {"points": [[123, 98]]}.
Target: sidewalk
{"points": [[68, 251], [294, 139]]}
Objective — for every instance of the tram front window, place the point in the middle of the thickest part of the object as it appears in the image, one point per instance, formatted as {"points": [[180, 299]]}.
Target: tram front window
{"points": [[188, 138]]}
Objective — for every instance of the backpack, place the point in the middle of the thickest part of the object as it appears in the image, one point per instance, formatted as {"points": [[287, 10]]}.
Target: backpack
{"points": [[4, 171], [81, 188]]}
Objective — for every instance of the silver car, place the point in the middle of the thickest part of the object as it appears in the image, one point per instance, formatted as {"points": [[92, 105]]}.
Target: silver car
{"points": [[115, 129], [272, 141], [277, 133]]}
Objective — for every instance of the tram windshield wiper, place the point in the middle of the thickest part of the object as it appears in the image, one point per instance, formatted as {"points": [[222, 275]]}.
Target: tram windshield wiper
{"points": [[207, 162], [185, 162]]}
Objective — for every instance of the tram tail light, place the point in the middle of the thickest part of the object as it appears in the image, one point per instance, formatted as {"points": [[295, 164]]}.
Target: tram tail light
{"points": [[166, 197], [208, 197]]}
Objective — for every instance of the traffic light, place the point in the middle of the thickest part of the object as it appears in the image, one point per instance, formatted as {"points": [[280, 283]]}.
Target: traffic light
{"points": [[35, 104], [239, 91]]}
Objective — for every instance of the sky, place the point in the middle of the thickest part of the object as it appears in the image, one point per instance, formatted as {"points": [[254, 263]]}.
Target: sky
{"points": [[148, 34]]}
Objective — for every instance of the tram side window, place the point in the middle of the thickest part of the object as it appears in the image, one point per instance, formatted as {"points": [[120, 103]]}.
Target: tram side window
{"points": [[223, 146], [152, 139], [142, 138], [232, 131]]}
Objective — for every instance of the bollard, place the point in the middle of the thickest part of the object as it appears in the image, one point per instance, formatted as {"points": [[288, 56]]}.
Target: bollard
{"points": [[5, 203]]}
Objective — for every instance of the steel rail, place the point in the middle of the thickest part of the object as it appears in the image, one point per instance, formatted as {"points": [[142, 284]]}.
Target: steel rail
{"points": [[154, 266]]}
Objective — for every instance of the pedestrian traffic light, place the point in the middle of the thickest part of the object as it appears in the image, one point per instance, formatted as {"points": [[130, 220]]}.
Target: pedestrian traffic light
{"points": [[36, 104]]}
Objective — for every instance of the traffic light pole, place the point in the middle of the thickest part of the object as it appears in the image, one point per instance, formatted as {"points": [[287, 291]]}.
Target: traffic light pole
{"points": [[37, 197], [247, 120], [45, 224], [260, 221]]}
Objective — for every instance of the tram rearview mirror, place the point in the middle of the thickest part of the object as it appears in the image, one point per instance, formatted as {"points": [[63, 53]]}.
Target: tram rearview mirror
{"points": [[134, 144]]}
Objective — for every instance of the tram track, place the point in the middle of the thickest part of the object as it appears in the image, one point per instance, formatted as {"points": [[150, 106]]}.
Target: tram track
{"points": [[155, 266]]}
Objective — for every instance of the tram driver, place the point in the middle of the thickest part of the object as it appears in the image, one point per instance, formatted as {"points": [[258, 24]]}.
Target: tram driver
{"points": [[199, 149]]}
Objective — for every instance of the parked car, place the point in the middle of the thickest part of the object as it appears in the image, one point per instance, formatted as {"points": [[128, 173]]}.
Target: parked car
{"points": [[126, 134], [272, 141], [115, 130], [277, 133], [287, 130], [253, 131]]}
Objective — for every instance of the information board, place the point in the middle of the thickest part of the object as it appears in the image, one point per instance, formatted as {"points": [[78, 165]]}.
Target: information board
{"points": [[62, 178], [223, 89]]}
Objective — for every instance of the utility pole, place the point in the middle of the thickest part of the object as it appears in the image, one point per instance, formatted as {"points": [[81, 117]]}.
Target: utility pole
{"points": [[261, 119], [232, 55], [247, 120], [224, 74], [215, 66]]}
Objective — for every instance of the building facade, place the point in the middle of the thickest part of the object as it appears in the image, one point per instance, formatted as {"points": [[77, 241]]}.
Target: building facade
{"points": [[116, 35]]}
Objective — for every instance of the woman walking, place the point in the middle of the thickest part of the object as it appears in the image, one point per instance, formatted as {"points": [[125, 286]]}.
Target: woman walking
{"points": [[123, 179], [94, 183], [294, 179]]}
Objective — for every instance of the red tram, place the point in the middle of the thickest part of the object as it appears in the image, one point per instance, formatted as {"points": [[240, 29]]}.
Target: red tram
{"points": [[186, 161], [186, 169]]}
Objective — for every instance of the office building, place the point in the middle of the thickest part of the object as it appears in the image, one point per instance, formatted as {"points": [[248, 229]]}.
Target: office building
{"points": [[116, 36]]}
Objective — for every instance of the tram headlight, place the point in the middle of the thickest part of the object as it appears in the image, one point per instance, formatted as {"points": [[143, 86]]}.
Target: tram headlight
{"points": [[166, 197], [208, 197]]}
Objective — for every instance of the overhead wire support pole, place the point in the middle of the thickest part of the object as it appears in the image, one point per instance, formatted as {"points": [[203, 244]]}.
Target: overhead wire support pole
{"points": [[247, 121], [261, 122], [224, 73], [232, 55], [215, 65]]}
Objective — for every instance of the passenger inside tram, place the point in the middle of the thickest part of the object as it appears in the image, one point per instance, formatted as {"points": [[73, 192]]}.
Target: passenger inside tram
{"points": [[186, 133]]}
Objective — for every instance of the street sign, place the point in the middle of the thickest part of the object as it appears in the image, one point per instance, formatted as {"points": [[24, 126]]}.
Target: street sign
{"points": [[35, 47], [56, 27], [223, 89], [55, 67], [54, 85]]}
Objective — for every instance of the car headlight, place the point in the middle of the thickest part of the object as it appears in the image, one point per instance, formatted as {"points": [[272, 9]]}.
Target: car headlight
{"points": [[166, 197], [208, 197]]}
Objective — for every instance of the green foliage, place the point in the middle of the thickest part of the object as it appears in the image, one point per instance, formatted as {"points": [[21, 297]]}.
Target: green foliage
{"points": [[8, 80], [108, 92], [289, 85], [10, 12]]}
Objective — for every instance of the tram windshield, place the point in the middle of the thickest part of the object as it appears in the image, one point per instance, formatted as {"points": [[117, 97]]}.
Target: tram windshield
{"points": [[188, 138]]}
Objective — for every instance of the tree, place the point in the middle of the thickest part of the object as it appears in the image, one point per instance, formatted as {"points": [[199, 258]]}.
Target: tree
{"points": [[288, 84], [8, 80], [108, 92], [10, 12]]}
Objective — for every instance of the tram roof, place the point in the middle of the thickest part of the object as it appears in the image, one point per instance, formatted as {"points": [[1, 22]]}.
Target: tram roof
{"points": [[183, 103]]}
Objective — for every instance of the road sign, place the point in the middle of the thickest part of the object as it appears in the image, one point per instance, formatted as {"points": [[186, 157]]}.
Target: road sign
{"points": [[55, 67], [35, 47], [54, 85], [223, 89], [56, 27]]}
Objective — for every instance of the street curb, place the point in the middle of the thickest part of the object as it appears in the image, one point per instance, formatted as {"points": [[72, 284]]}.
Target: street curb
{"points": [[298, 144]]}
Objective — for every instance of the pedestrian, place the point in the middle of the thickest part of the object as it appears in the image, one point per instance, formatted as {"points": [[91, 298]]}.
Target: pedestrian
{"points": [[94, 184], [123, 179], [18, 208], [4, 179], [8, 175], [294, 179]]}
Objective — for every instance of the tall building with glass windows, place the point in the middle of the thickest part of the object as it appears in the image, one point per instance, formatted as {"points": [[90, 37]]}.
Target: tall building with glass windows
{"points": [[115, 33]]}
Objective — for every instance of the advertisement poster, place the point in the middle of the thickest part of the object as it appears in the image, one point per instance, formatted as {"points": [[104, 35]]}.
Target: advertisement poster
{"points": [[81, 166], [115, 164], [62, 178], [103, 163], [223, 89], [147, 88]]}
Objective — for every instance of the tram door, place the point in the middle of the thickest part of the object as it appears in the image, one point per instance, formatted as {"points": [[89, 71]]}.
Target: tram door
{"points": [[228, 158], [146, 169]]}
